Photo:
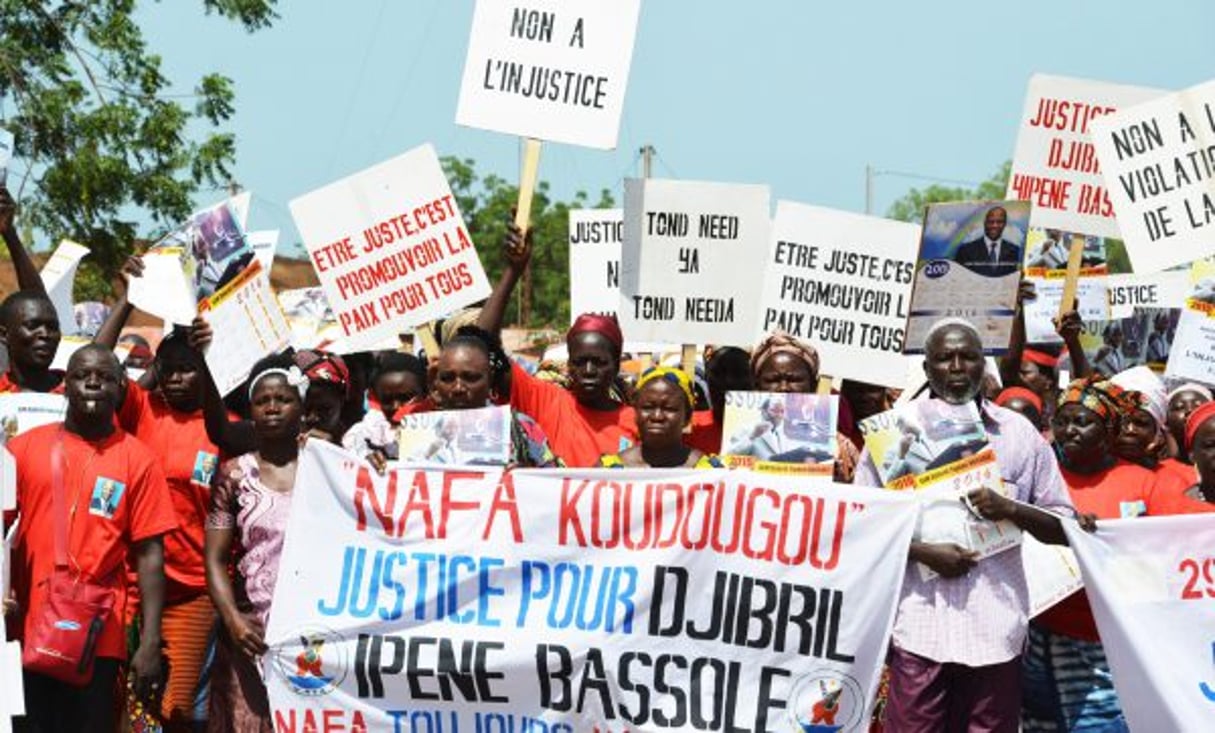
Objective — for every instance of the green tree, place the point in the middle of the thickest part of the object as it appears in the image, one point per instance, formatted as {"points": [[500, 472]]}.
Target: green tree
{"points": [[487, 203], [102, 143], [910, 206]]}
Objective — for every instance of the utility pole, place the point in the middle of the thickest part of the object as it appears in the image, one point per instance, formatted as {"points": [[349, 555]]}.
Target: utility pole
{"points": [[233, 187], [647, 159]]}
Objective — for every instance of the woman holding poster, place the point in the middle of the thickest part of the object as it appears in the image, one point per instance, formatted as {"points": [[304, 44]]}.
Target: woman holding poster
{"points": [[784, 364], [251, 503], [471, 373], [1067, 677], [664, 403]]}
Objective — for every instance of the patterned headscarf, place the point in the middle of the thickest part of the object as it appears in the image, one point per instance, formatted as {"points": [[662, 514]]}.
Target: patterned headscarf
{"points": [[1104, 398], [678, 377], [782, 343]]}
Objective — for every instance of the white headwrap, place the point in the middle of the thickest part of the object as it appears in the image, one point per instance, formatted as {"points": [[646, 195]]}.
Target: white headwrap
{"points": [[1144, 381], [1192, 387], [294, 377]]}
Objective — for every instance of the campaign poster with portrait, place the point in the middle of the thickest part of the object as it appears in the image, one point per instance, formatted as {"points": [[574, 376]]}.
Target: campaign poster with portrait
{"points": [[969, 266], [778, 432], [1046, 255], [1144, 338], [457, 437]]}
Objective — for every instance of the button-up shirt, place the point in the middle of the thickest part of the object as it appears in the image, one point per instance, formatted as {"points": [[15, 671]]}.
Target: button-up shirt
{"points": [[981, 617]]}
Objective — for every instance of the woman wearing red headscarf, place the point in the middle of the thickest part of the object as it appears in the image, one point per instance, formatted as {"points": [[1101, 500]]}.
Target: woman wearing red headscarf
{"points": [[1200, 446], [584, 421]]}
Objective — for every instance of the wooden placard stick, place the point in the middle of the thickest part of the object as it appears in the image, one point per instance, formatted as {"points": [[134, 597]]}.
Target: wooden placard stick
{"points": [[426, 334], [527, 183], [1075, 256], [824, 385]]}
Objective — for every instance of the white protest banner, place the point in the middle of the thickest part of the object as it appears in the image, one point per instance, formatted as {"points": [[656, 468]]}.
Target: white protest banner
{"points": [[1054, 165], [58, 276], [264, 243], [390, 247], [692, 264], [596, 237], [479, 600], [969, 266], [247, 323], [1158, 290], [549, 69], [843, 281], [12, 703], [1192, 354], [6, 154], [1158, 159], [1151, 584]]}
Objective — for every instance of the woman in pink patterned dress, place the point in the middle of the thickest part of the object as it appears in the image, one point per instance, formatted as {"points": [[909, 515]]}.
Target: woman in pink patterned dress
{"points": [[249, 506]]}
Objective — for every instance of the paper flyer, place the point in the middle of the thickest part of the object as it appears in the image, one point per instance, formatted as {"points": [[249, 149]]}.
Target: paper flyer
{"points": [[1192, 354], [457, 437], [247, 324], [778, 432], [59, 276]]}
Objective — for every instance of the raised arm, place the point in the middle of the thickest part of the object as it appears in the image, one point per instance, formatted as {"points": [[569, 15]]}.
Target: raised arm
{"points": [[27, 274], [232, 437], [1069, 327], [518, 250], [1010, 363], [109, 332]]}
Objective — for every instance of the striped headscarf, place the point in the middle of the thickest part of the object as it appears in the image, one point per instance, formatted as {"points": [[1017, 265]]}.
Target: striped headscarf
{"points": [[678, 377], [782, 343]]}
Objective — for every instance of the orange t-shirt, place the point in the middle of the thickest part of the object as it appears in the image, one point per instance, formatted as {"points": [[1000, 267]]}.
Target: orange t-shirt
{"points": [[189, 461], [115, 496], [576, 434], [1121, 491], [706, 433], [1171, 498], [8, 386]]}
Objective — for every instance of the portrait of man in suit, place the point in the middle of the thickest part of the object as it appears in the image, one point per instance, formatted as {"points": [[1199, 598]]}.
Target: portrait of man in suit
{"points": [[991, 255]]}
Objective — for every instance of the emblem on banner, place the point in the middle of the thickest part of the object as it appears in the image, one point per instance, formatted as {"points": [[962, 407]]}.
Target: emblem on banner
{"points": [[825, 701], [314, 666]]}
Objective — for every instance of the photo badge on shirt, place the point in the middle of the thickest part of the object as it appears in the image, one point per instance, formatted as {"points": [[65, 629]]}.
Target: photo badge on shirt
{"points": [[204, 468], [107, 492]]}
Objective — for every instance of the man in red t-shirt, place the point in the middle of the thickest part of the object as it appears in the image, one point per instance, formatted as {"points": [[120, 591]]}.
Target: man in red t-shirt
{"points": [[29, 329], [117, 504]]}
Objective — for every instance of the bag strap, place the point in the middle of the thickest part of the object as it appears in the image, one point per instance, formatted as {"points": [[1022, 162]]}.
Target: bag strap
{"points": [[59, 502]]}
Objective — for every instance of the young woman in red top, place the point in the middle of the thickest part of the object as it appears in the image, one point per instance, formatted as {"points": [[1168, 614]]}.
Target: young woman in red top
{"points": [[584, 421], [1199, 442]]}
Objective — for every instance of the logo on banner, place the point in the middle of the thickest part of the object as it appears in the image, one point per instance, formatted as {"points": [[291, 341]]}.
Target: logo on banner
{"points": [[936, 268], [825, 701], [316, 665]]}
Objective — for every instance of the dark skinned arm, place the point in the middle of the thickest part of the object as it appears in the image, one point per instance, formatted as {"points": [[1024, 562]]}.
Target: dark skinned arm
{"points": [[146, 665], [241, 628], [1010, 363], [518, 250], [232, 437], [120, 313], [1069, 328], [27, 274], [1043, 525]]}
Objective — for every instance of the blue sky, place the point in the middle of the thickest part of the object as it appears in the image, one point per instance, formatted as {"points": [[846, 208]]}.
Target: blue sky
{"points": [[798, 94]]}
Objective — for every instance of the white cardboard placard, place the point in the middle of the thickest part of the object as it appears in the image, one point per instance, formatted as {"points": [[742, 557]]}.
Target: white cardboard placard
{"points": [[1055, 165], [59, 276], [390, 247], [843, 282], [692, 264], [551, 69], [1158, 159], [596, 237]]}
